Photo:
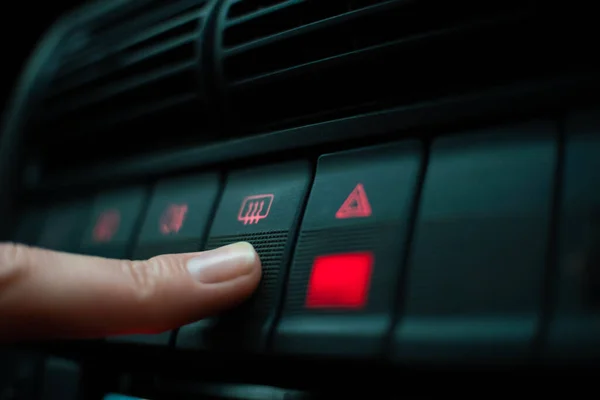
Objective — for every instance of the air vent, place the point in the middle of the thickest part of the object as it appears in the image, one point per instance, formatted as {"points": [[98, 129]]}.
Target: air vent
{"points": [[300, 61], [133, 74]]}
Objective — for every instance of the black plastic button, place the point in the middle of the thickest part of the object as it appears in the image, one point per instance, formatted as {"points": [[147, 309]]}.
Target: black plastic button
{"points": [[64, 226], [114, 219], [20, 374], [61, 380], [59, 227], [348, 258], [178, 216], [176, 222], [575, 327], [31, 222], [476, 269], [260, 206]]}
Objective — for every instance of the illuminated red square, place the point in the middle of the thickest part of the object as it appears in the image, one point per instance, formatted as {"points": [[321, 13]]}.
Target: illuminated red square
{"points": [[340, 281]]}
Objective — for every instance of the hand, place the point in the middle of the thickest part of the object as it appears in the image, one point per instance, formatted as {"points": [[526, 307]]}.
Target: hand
{"points": [[46, 294]]}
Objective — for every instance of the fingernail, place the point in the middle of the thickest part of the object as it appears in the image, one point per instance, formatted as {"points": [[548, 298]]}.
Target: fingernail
{"points": [[224, 264]]}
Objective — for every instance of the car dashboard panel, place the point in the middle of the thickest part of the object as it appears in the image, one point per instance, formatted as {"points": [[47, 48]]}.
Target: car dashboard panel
{"points": [[418, 179]]}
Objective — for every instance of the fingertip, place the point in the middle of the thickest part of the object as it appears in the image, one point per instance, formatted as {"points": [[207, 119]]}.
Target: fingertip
{"points": [[225, 264]]}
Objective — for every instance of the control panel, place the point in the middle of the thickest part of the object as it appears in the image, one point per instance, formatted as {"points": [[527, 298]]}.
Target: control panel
{"points": [[447, 250]]}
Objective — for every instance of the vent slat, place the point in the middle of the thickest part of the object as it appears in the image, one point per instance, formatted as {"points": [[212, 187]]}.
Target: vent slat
{"points": [[141, 20], [145, 53], [104, 40], [342, 56], [240, 7], [261, 12], [285, 66], [330, 62], [308, 28], [123, 15], [351, 31], [126, 65], [138, 64], [86, 98], [143, 40], [128, 80], [166, 27], [295, 16]]}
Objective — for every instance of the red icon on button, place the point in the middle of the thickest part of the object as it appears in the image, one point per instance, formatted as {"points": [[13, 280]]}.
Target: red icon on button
{"points": [[106, 226], [356, 204], [255, 208], [340, 281], [172, 219]]}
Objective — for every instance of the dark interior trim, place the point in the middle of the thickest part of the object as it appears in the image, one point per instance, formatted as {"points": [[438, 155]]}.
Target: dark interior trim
{"points": [[536, 98]]}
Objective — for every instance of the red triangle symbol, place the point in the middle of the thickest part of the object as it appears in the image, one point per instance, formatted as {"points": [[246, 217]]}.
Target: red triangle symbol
{"points": [[356, 205]]}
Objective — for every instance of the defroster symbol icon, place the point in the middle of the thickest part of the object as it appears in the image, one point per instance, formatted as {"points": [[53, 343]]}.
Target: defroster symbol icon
{"points": [[255, 208], [173, 218]]}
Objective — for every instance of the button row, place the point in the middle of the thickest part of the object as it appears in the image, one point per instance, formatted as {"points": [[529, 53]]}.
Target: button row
{"points": [[447, 251]]}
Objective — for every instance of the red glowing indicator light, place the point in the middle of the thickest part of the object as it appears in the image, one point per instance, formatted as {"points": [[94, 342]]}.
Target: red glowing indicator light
{"points": [[356, 205], [255, 208], [340, 281], [107, 226], [173, 218]]}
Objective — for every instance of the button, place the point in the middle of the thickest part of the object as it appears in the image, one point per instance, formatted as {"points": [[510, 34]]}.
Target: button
{"points": [[20, 378], [31, 222], [340, 281], [59, 227], [348, 258], [61, 380], [178, 216], [176, 222], [260, 206], [575, 327], [114, 219], [476, 269], [64, 226]]}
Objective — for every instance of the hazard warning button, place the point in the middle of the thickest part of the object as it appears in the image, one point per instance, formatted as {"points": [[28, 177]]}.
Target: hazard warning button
{"points": [[349, 252], [356, 205]]}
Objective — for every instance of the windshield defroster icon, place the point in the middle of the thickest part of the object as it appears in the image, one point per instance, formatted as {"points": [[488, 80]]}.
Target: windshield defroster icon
{"points": [[255, 208]]}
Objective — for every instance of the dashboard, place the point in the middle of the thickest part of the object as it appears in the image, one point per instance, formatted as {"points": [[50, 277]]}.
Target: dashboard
{"points": [[418, 178]]}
